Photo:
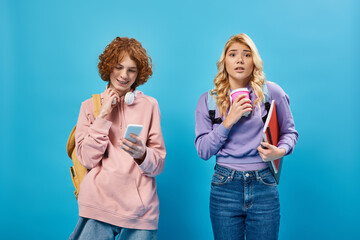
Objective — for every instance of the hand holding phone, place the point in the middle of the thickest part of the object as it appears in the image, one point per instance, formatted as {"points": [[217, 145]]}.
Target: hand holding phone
{"points": [[135, 148], [134, 129]]}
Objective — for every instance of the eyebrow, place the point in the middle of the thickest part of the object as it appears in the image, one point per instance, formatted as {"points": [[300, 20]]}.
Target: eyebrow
{"points": [[129, 67], [235, 50]]}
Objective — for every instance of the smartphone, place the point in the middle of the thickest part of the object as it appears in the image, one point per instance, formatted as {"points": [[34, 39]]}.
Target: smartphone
{"points": [[134, 129], [264, 140]]}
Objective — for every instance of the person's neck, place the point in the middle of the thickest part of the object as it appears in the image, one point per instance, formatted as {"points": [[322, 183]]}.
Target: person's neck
{"points": [[239, 83], [121, 93]]}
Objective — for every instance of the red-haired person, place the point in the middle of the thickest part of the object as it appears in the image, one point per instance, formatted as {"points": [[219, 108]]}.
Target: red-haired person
{"points": [[118, 195]]}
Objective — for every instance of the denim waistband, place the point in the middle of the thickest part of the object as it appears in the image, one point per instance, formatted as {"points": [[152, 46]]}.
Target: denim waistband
{"points": [[242, 174]]}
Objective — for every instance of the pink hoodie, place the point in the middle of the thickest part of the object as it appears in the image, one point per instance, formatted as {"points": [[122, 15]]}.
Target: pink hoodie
{"points": [[116, 190]]}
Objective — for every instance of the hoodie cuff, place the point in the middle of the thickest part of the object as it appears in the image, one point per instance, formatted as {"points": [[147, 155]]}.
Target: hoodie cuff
{"points": [[284, 146], [145, 166], [101, 126]]}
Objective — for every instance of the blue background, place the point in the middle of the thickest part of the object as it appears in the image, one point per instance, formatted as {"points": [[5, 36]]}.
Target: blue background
{"points": [[49, 55]]}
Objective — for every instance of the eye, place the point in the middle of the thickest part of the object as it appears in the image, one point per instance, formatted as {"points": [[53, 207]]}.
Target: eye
{"points": [[232, 54], [247, 55], [132, 70], [119, 67]]}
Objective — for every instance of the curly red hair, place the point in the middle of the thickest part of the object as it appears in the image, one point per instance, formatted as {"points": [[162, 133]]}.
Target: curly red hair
{"points": [[116, 50]]}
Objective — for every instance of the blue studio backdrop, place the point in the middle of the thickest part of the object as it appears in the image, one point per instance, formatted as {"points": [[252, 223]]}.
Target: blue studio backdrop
{"points": [[48, 58]]}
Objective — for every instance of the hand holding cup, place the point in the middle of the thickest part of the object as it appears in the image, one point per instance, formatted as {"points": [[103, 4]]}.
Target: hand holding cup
{"points": [[237, 92], [241, 106]]}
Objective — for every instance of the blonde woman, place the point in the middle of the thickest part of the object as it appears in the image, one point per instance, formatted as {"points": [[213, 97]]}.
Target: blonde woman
{"points": [[244, 200]]}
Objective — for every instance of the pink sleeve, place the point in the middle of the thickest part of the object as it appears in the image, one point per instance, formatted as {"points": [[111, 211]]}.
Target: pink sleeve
{"points": [[154, 161], [91, 137]]}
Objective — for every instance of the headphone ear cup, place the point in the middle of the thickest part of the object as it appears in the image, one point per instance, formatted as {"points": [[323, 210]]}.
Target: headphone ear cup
{"points": [[129, 98]]}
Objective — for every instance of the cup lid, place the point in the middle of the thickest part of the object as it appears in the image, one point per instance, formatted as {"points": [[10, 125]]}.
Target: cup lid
{"points": [[240, 90]]}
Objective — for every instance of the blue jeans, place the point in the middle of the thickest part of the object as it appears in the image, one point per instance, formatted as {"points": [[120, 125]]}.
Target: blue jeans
{"points": [[244, 205], [90, 229]]}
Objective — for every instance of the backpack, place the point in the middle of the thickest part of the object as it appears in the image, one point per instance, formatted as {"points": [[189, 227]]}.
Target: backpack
{"points": [[211, 102], [78, 171]]}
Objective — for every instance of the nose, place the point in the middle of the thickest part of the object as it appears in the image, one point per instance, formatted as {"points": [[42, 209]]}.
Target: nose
{"points": [[123, 74], [240, 59]]}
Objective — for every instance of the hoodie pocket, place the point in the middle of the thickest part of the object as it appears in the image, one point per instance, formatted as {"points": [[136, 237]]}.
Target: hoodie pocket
{"points": [[126, 194], [114, 193]]}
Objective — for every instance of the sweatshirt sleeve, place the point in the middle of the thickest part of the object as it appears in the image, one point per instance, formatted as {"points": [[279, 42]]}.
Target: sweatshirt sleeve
{"points": [[288, 134], [209, 139], [91, 138], [154, 161]]}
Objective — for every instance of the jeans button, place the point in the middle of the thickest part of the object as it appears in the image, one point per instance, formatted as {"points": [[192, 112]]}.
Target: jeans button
{"points": [[246, 175]]}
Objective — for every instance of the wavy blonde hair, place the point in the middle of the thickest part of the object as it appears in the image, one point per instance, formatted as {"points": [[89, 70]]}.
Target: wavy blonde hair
{"points": [[221, 81]]}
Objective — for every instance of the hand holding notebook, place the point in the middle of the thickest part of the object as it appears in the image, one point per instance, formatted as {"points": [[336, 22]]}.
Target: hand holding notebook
{"points": [[270, 152], [271, 137]]}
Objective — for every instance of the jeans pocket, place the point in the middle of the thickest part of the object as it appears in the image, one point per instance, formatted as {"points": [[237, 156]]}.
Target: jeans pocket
{"points": [[219, 179], [268, 179]]}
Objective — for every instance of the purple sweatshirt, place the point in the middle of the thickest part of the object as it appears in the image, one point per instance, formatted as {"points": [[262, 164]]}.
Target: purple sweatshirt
{"points": [[236, 148]]}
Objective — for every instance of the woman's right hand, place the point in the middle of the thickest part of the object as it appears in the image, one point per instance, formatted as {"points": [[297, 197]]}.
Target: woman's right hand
{"points": [[240, 106], [107, 104]]}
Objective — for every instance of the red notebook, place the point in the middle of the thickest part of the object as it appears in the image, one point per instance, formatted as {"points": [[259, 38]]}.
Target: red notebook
{"points": [[271, 135]]}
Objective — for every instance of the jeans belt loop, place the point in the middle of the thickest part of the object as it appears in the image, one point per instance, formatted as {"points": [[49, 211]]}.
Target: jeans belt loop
{"points": [[232, 174], [257, 175]]}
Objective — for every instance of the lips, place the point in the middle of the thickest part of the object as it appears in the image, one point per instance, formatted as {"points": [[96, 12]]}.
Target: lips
{"points": [[122, 82], [239, 69]]}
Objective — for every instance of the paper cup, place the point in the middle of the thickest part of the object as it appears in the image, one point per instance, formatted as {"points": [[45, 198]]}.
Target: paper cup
{"points": [[239, 91]]}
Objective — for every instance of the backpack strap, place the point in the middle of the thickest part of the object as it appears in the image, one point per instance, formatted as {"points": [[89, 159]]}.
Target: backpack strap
{"points": [[266, 92], [97, 104], [266, 100], [211, 102], [71, 141]]}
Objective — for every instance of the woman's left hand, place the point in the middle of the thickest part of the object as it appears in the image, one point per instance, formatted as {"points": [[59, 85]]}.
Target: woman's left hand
{"points": [[137, 150], [270, 152]]}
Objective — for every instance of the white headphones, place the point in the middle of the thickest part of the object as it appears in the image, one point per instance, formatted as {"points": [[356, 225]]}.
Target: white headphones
{"points": [[130, 97]]}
